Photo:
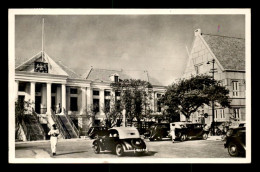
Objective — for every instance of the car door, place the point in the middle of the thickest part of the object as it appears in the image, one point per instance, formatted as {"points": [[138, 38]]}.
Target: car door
{"points": [[198, 130], [189, 130]]}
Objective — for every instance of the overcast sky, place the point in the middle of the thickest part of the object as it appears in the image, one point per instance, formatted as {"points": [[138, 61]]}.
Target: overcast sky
{"points": [[156, 43]]}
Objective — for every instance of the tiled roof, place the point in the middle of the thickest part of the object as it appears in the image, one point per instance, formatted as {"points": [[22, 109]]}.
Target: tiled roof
{"points": [[229, 51], [104, 75]]}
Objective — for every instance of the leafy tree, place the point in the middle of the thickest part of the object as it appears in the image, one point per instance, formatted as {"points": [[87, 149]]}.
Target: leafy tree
{"points": [[21, 109], [113, 113], [187, 95], [134, 97]]}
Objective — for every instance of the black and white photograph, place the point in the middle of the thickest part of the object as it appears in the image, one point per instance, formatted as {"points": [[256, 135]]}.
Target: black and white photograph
{"points": [[129, 85]]}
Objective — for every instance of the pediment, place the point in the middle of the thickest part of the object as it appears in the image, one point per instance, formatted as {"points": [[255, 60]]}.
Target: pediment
{"points": [[41, 63]]}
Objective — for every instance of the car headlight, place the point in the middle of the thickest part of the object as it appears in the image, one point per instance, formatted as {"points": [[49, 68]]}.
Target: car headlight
{"points": [[229, 133]]}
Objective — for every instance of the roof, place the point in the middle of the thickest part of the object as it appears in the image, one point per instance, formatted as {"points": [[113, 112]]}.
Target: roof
{"points": [[126, 132], [104, 75], [19, 63], [229, 51]]}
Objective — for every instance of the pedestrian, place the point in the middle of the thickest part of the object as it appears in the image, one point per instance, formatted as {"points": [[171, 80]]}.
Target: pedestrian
{"points": [[172, 133], [54, 132]]}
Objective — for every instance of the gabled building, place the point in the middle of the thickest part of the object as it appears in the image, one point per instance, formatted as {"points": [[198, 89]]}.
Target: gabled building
{"points": [[229, 56], [59, 95]]}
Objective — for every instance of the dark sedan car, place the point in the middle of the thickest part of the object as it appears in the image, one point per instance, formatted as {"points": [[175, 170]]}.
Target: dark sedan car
{"points": [[191, 131], [120, 140], [236, 141], [159, 131], [97, 131]]}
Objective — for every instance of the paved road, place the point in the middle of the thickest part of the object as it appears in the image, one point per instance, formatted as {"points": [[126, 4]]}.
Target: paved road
{"points": [[81, 148]]}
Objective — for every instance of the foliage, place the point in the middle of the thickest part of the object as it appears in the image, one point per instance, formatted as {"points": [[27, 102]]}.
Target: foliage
{"points": [[113, 112], [134, 97], [21, 109], [187, 95]]}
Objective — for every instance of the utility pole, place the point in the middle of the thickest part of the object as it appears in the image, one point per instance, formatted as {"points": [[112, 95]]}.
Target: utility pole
{"points": [[213, 106]]}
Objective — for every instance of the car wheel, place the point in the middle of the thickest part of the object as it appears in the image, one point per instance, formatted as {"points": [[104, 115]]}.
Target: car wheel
{"points": [[119, 150], [182, 138], [233, 149], [151, 139], [205, 136], [96, 148]]}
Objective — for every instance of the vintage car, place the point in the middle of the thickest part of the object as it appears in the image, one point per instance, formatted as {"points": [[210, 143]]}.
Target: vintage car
{"points": [[191, 131], [236, 141], [159, 131], [97, 131], [120, 140]]}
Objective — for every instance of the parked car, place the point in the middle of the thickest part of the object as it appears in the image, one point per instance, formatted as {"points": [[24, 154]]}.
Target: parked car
{"points": [[236, 141], [159, 131], [97, 131], [120, 140], [191, 131]]}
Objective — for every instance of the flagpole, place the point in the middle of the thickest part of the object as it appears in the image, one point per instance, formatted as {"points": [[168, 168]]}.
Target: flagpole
{"points": [[42, 37]]}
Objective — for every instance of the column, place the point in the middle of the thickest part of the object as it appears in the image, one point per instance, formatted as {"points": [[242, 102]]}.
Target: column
{"points": [[83, 100], [48, 98], [16, 89], [89, 98], [63, 98], [32, 89], [101, 101]]}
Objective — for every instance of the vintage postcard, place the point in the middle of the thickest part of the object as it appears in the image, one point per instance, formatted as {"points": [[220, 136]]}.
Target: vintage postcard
{"points": [[129, 85]]}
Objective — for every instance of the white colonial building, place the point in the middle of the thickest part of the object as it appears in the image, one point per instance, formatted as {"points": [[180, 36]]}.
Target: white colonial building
{"points": [[59, 95], [229, 57]]}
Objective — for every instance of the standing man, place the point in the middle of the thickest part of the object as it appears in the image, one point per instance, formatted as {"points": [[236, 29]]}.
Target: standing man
{"points": [[172, 133], [54, 133]]}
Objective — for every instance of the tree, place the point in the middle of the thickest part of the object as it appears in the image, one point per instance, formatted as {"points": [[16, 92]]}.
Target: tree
{"points": [[134, 97], [187, 95], [113, 113], [21, 109]]}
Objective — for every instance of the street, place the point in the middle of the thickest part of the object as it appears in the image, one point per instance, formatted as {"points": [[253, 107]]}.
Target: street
{"points": [[81, 148]]}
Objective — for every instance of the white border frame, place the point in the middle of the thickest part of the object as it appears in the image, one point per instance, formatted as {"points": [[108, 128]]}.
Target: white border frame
{"points": [[11, 67]]}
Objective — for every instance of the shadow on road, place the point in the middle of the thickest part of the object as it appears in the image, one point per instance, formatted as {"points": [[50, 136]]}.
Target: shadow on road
{"points": [[70, 153]]}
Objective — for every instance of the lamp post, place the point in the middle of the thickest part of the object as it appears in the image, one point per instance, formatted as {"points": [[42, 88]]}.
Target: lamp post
{"points": [[213, 107]]}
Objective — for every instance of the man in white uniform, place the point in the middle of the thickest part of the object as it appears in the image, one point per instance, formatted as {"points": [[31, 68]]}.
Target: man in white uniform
{"points": [[54, 132]]}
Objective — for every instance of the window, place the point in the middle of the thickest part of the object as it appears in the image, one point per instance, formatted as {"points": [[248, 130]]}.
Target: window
{"points": [[107, 93], [237, 113], [216, 113], [21, 86], [159, 109], [116, 78], [222, 114], [74, 104], [198, 69], [73, 91], [117, 93], [96, 105], [95, 92], [107, 105], [235, 85], [53, 88], [38, 88]]}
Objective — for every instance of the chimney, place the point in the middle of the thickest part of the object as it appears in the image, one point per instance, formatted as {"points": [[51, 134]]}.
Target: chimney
{"points": [[197, 32]]}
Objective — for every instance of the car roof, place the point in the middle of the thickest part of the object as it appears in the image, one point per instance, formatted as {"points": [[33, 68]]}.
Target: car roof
{"points": [[126, 132]]}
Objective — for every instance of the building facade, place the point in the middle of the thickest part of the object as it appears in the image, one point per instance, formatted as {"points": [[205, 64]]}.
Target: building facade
{"points": [[55, 90], [229, 68]]}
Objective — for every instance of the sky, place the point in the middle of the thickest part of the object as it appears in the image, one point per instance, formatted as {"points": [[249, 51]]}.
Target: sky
{"points": [[134, 43]]}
